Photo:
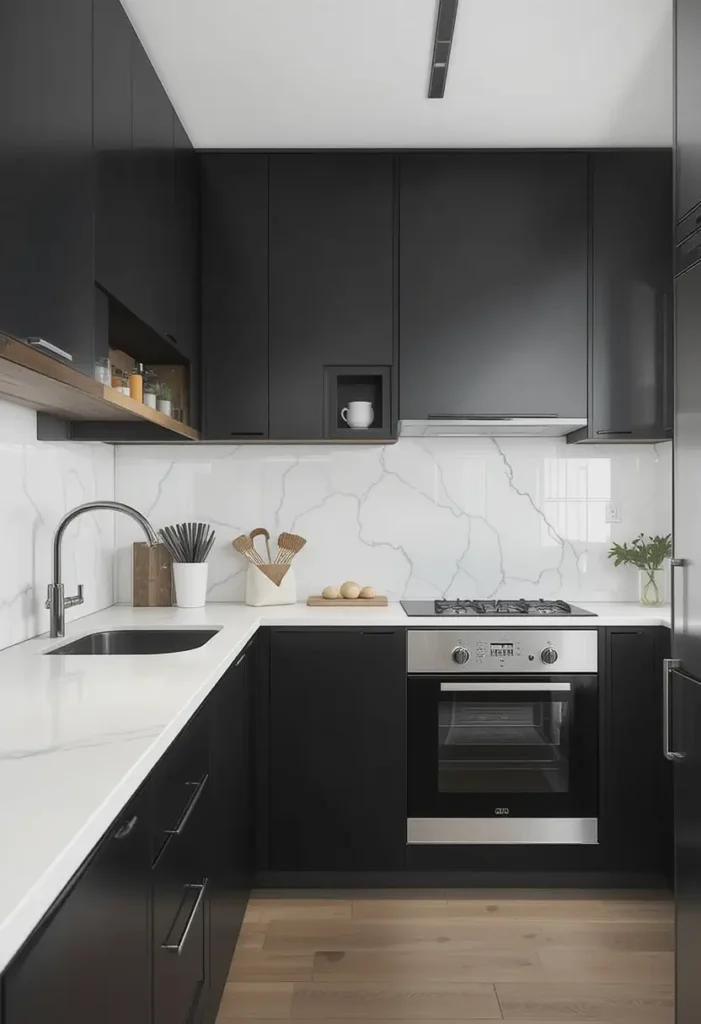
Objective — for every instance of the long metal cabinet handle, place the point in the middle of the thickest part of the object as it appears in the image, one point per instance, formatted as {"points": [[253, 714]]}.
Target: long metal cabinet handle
{"points": [[177, 947], [194, 800], [667, 667], [504, 687]]}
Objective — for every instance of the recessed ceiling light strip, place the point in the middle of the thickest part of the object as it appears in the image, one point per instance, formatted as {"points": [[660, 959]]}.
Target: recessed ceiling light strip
{"points": [[442, 43]]}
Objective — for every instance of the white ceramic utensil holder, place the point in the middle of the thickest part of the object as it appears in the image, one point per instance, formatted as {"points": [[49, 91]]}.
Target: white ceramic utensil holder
{"points": [[261, 591], [190, 584]]}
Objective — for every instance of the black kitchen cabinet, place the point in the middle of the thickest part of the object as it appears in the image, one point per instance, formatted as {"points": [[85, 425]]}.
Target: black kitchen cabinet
{"points": [[90, 959], [331, 284], [492, 284], [688, 113], [46, 175], [115, 221], [631, 324], [637, 794], [154, 261], [235, 295], [186, 241], [231, 844], [337, 732]]}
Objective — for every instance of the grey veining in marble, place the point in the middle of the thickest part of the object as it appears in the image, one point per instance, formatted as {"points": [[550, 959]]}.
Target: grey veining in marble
{"points": [[423, 518], [41, 481]]}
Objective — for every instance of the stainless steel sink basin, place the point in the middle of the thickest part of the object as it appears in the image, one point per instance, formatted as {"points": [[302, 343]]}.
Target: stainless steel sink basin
{"points": [[138, 641]]}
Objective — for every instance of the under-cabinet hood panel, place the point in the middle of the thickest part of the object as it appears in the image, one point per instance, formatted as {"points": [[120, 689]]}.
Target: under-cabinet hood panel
{"points": [[514, 426]]}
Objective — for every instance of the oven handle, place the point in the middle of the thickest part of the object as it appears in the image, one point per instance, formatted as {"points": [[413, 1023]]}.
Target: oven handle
{"points": [[504, 687]]}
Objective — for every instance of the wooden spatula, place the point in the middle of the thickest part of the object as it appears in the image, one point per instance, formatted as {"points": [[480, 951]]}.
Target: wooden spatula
{"points": [[289, 545], [261, 532], [244, 545]]}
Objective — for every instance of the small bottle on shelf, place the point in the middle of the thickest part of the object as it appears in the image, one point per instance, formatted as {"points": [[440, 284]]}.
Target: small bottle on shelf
{"points": [[136, 383]]}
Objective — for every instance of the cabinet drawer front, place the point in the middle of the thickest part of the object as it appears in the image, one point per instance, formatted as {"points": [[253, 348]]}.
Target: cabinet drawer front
{"points": [[180, 784]]}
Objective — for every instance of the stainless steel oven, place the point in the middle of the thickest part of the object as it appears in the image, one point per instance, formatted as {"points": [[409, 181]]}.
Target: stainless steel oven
{"points": [[503, 736]]}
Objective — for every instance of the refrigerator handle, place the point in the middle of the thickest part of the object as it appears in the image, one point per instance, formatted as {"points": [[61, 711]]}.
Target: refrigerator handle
{"points": [[667, 667], [675, 563]]}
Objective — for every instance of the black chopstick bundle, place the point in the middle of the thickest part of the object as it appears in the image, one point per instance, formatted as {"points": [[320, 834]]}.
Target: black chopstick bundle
{"points": [[188, 542]]}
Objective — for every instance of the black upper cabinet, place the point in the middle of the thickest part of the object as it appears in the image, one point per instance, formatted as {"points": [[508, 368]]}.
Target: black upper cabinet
{"points": [[186, 229], [46, 174], [235, 295], [331, 278], [90, 960], [688, 111], [630, 364], [337, 750], [113, 39], [154, 261], [493, 284]]}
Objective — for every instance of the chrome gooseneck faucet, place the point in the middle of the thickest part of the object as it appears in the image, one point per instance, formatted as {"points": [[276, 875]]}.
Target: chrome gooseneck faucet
{"points": [[56, 601]]}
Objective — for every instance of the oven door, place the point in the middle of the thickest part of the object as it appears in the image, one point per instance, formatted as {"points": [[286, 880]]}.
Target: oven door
{"points": [[503, 759]]}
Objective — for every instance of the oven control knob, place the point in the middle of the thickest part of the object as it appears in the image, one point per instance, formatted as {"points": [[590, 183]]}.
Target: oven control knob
{"points": [[548, 655], [460, 656]]}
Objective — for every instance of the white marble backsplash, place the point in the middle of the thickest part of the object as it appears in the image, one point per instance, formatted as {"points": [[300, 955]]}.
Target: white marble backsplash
{"points": [[39, 482], [477, 517]]}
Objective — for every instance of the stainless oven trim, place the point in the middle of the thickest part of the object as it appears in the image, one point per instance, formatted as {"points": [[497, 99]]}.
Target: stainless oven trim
{"points": [[497, 687], [429, 651], [488, 831]]}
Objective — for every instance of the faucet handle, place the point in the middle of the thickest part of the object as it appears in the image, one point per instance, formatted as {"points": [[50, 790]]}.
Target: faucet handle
{"points": [[71, 602]]}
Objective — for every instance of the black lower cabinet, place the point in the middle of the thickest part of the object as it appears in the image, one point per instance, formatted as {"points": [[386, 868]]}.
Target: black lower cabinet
{"points": [[637, 796], [231, 843], [90, 959], [337, 728]]}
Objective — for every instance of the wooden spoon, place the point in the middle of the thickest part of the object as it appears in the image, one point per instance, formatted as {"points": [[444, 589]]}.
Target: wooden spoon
{"points": [[261, 532]]}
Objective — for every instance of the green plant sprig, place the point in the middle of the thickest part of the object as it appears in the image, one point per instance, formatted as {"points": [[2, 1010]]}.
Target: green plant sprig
{"points": [[643, 554]]}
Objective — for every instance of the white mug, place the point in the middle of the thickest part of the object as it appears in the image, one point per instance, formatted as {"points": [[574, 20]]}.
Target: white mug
{"points": [[358, 415]]}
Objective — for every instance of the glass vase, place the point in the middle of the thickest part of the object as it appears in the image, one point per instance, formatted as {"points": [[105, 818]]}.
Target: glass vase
{"points": [[651, 586]]}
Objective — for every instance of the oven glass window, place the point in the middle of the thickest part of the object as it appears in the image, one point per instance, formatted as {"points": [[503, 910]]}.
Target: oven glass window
{"points": [[503, 746]]}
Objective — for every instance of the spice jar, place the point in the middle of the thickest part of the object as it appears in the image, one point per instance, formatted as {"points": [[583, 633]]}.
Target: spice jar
{"points": [[136, 383]]}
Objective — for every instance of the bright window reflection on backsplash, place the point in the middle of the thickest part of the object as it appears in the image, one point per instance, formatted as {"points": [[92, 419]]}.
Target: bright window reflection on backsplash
{"points": [[575, 495]]}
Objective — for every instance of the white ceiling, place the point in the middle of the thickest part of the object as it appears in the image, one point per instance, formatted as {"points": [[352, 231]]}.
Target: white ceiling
{"points": [[354, 73]]}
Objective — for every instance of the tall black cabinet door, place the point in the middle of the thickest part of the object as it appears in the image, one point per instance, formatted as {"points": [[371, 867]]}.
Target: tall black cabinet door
{"points": [[492, 284], [91, 960], [154, 261], [231, 846], [632, 301], [186, 225], [115, 226], [331, 278], [337, 750], [46, 174], [686, 741], [688, 108], [234, 295]]}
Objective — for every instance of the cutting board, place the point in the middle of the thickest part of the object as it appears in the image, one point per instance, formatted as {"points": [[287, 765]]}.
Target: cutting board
{"points": [[380, 601]]}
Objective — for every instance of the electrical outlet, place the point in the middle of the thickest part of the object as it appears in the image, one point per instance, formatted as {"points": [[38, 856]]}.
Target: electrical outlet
{"points": [[613, 512]]}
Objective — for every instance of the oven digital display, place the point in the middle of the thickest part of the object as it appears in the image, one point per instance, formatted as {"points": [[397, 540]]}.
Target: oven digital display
{"points": [[501, 650]]}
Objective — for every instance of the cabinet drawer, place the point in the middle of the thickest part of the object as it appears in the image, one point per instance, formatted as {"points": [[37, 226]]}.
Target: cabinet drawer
{"points": [[179, 784], [180, 934]]}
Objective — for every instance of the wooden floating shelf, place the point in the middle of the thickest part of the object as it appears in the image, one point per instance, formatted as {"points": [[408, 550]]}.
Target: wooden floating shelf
{"points": [[35, 380]]}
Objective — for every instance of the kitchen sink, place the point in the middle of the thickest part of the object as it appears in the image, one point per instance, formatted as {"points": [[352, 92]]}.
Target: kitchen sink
{"points": [[138, 641]]}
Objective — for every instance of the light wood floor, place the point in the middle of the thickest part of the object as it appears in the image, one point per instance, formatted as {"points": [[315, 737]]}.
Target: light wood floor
{"points": [[477, 957]]}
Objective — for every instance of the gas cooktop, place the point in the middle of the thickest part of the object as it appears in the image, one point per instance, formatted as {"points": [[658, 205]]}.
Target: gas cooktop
{"points": [[517, 609]]}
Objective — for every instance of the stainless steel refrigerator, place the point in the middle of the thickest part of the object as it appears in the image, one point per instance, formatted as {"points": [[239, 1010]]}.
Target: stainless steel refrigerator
{"points": [[682, 682]]}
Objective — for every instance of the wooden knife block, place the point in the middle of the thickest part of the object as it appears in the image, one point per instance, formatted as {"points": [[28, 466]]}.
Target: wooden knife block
{"points": [[152, 576]]}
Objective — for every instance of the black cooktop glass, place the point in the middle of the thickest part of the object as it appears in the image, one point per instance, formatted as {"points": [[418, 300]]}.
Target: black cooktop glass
{"points": [[519, 608]]}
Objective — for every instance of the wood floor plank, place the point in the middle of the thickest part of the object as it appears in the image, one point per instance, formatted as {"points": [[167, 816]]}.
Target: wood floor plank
{"points": [[261, 965], [263, 999], [613, 1004], [602, 965], [326, 1001], [263, 911], [522, 909], [424, 967]]}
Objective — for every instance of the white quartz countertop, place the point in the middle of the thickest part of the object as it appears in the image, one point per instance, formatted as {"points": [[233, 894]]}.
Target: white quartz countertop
{"points": [[78, 735]]}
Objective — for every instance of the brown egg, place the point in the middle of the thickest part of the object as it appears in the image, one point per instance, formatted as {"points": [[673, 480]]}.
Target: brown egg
{"points": [[350, 590], [367, 593], [331, 593]]}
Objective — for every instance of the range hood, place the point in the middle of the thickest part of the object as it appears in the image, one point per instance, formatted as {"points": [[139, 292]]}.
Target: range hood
{"points": [[490, 426]]}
